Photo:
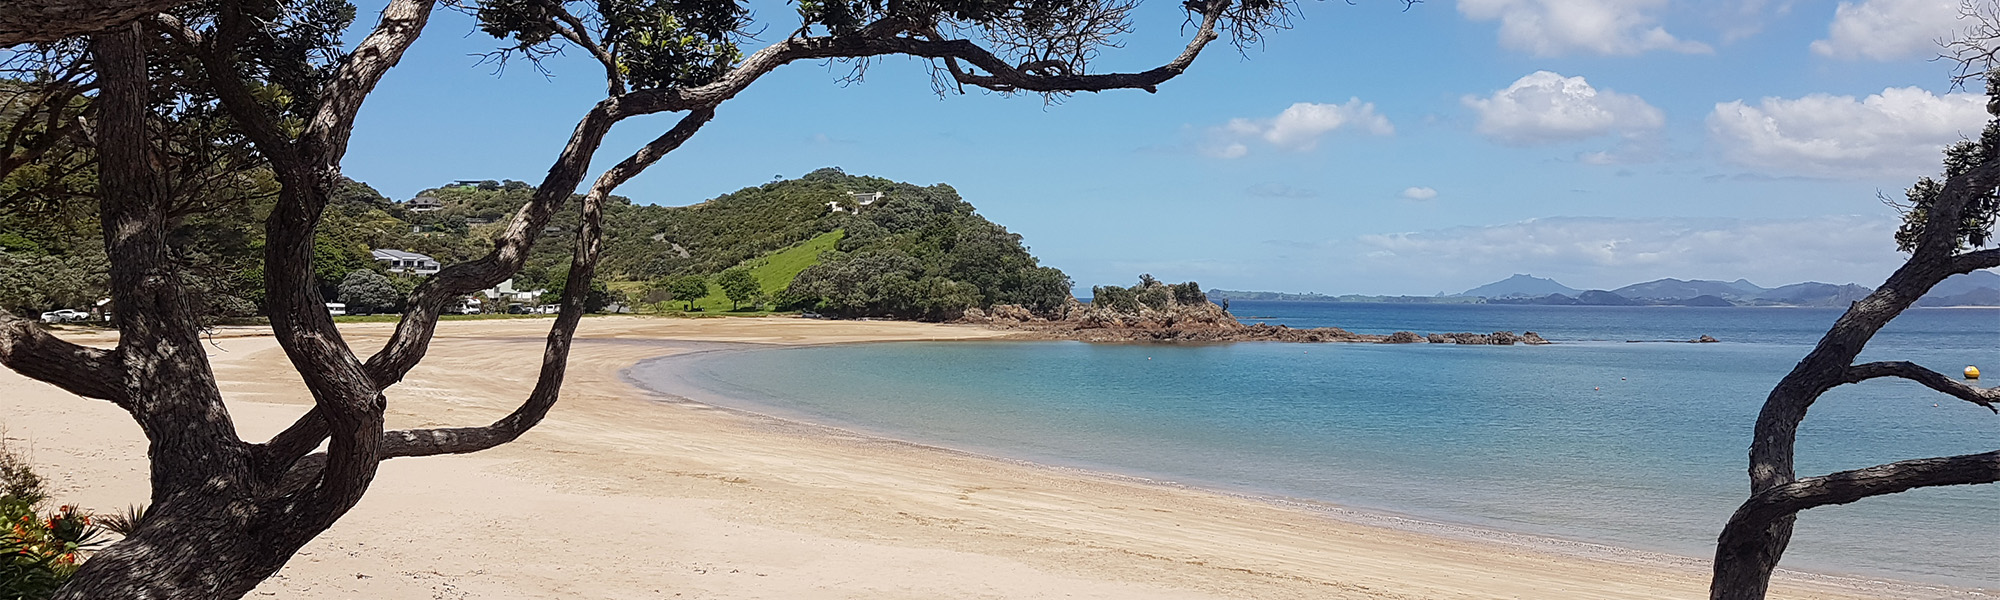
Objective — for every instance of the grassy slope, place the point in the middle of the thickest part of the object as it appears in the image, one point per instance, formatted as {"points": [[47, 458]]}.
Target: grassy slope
{"points": [[774, 271]]}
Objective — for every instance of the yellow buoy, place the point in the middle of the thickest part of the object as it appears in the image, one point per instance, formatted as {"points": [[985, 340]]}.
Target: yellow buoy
{"points": [[1971, 372]]}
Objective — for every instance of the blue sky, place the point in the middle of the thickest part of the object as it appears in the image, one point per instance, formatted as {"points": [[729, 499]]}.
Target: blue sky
{"points": [[1369, 149]]}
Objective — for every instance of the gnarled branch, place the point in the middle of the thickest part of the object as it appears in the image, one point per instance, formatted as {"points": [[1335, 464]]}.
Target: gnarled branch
{"points": [[1976, 260], [1928, 378], [81, 370], [37, 21], [555, 358], [1849, 486], [333, 123]]}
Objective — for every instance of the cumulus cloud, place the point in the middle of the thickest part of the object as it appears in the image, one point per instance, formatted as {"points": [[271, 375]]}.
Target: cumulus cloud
{"points": [[1889, 29], [1557, 27], [1607, 252], [1299, 128], [1545, 108], [1897, 133], [1418, 193]]}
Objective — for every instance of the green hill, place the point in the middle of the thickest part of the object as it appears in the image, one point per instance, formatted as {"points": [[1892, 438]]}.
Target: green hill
{"points": [[775, 271], [811, 244]]}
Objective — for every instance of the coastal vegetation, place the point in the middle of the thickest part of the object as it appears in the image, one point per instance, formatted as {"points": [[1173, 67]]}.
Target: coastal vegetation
{"points": [[245, 109], [39, 551]]}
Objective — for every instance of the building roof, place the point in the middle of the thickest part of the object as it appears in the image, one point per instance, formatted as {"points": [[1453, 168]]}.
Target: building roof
{"points": [[399, 255]]}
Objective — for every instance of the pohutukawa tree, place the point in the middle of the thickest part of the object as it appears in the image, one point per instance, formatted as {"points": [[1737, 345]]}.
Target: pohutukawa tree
{"points": [[1946, 224], [227, 512]]}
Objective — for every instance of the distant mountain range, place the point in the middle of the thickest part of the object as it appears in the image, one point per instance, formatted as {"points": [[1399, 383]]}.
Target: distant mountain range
{"points": [[1978, 288]]}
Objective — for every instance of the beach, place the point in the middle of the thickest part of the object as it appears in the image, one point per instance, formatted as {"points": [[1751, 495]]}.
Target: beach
{"points": [[623, 493]]}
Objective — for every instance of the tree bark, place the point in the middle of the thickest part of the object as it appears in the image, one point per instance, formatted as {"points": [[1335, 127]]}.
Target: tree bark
{"points": [[194, 543], [37, 21]]}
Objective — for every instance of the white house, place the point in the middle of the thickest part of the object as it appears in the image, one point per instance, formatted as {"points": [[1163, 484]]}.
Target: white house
{"points": [[506, 294], [407, 262], [857, 200], [424, 204]]}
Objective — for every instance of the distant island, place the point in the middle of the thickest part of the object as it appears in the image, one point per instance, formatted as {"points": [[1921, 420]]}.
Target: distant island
{"points": [[1978, 288]]}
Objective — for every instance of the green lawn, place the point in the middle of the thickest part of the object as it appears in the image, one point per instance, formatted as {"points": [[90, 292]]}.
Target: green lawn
{"points": [[774, 271]]}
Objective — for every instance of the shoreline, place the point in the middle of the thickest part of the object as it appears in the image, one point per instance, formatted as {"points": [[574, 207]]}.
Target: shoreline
{"points": [[795, 422], [619, 495]]}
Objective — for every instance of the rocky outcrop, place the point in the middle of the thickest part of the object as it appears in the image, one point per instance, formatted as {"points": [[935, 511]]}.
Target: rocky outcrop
{"points": [[1153, 312]]}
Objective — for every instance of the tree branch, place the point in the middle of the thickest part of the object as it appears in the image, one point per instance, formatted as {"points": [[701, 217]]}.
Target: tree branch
{"points": [[333, 123], [1928, 378], [81, 370], [234, 91], [406, 347], [573, 28], [37, 21], [1849, 486], [1973, 261], [555, 357]]}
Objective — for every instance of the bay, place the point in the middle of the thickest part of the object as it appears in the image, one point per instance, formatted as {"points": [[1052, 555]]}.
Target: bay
{"points": [[1638, 445]]}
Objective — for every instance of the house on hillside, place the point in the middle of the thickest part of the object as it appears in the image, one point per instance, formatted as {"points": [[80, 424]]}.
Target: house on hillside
{"points": [[855, 201], [424, 204], [505, 294], [407, 262]]}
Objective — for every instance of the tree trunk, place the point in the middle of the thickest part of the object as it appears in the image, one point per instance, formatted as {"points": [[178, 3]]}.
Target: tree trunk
{"points": [[202, 513]]}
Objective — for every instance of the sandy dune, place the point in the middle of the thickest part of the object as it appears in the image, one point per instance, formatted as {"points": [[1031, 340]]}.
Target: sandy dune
{"points": [[622, 494]]}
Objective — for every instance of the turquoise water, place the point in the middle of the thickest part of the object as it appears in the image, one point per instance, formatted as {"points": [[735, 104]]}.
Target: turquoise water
{"points": [[1635, 445]]}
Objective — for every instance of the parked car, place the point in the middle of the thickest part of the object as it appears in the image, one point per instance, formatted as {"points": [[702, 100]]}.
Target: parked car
{"points": [[516, 309], [64, 316], [336, 308]]}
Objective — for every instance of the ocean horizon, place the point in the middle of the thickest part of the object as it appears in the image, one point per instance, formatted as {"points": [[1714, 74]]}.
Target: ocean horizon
{"points": [[1594, 439]]}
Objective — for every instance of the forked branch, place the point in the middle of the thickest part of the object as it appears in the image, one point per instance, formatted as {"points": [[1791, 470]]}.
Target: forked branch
{"points": [[305, 434], [1928, 378]]}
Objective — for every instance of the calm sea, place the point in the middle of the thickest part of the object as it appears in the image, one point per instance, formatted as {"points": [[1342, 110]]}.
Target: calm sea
{"points": [[1638, 445]]}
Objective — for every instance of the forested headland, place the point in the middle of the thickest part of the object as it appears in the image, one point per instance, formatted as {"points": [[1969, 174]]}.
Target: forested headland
{"points": [[805, 244]]}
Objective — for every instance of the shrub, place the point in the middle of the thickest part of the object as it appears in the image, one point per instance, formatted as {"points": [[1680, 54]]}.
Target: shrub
{"points": [[37, 553]]}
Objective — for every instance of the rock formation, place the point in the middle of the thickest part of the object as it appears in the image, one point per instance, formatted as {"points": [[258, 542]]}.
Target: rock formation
{"points": [[1157, 312]]}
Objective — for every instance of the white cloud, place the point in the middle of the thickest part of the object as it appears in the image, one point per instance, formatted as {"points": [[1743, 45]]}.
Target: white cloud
{"points": [[1545, 107], [1607, 253], [1418, 193], [1299, 128], [1556, 27], [1889, 29], [1896, 133]]}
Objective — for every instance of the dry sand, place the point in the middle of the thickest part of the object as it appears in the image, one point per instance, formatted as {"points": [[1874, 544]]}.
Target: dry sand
{"points": [[625, 494]]}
